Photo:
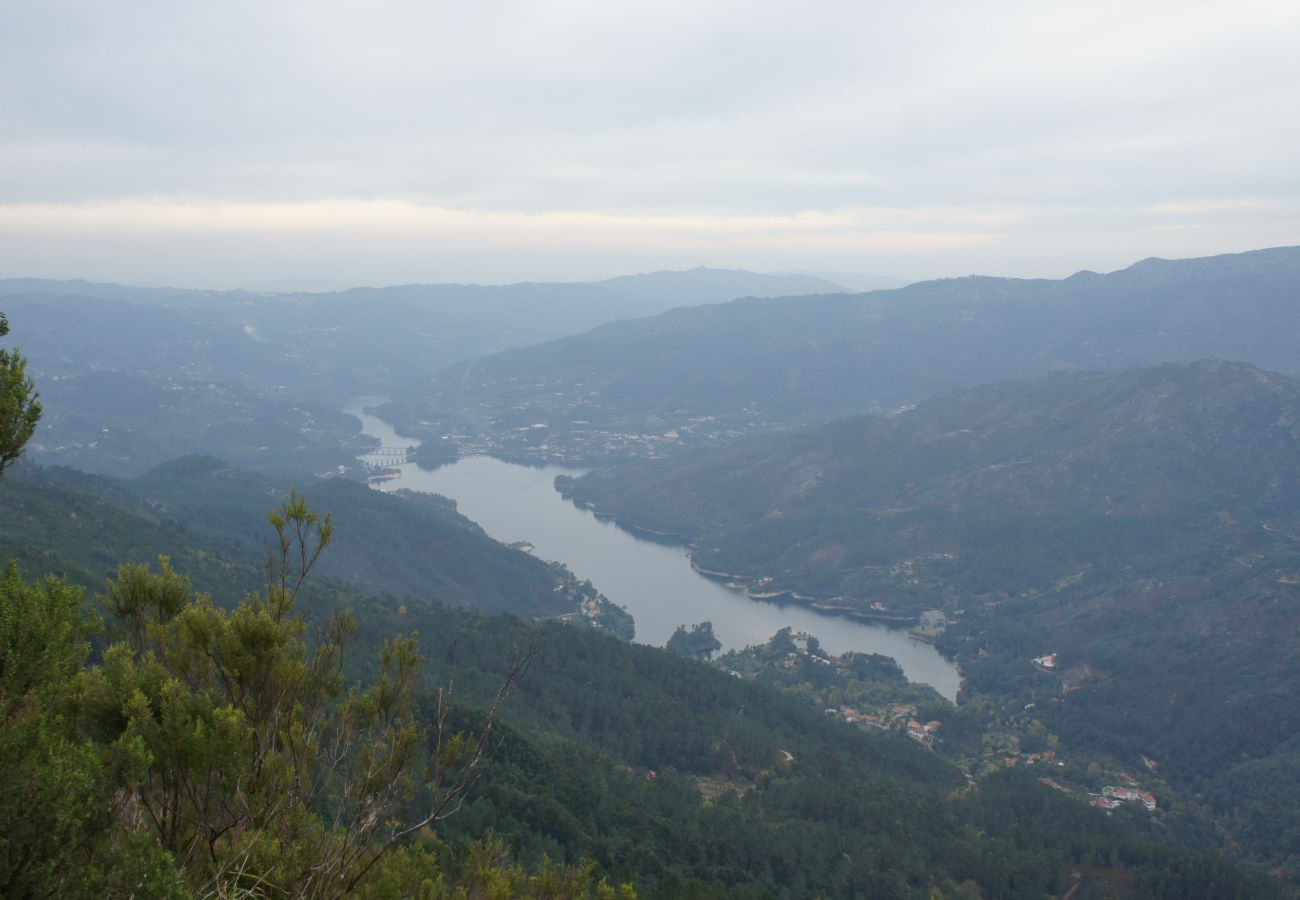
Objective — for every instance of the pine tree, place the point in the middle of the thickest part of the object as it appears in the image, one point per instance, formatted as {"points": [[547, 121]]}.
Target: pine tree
{"points": [[19, 411]]}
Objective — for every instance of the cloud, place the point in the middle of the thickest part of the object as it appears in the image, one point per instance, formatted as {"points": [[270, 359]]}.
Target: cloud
{"points": [[341, 243], [902, 119]]}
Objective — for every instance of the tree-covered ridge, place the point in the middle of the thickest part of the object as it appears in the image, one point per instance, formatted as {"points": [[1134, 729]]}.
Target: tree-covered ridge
{"points": [[651, 768], [835, 814], [708, 375], [1117, 557], [412, 546], [1001, 488], [222, 751], [672, 774]]}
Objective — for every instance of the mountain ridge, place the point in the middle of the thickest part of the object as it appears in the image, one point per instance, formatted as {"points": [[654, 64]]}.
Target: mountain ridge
{"points": [[1156, 443], [705, 375], [259, 378], [1117, 557]]}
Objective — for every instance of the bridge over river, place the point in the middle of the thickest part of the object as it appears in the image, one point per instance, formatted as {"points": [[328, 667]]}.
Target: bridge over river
{"points": [[383, 457]]}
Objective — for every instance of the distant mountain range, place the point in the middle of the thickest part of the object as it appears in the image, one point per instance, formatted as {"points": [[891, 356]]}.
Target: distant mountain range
{"points": [[857, 281], [132, 377], [707, 374]]}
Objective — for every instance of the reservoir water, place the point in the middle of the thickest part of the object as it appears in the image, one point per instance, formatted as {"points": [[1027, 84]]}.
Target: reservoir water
{"points": [[655, 582]]}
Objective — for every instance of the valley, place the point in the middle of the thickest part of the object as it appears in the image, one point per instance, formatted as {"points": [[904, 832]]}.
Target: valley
{"points": [[1112, 555], [1054, 614], [704, 376], [650, 451], [652, 580]]}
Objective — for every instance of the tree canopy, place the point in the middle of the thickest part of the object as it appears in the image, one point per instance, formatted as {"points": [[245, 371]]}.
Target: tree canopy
{"points": [[19, 411], [222, 751]]}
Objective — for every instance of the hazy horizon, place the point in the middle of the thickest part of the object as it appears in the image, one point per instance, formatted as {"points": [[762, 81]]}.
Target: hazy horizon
{"points": [[852, 282], [845, 279], [322, 146]]}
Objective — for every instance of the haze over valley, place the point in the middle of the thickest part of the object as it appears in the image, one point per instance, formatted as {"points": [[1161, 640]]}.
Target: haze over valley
{"points": [[591, 452], [1063, 541]]}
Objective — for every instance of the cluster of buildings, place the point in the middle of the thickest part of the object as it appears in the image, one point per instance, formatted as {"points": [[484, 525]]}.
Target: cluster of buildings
{"points": [[593, 608], [1016, 758], [1113, 797], [552, 428], [899, 717], [793, 660], [578, 440]]}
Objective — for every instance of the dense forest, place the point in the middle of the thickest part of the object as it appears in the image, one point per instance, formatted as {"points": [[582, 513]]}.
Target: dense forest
{"points": [[1137, 531], [219, 682], [613, 762]]}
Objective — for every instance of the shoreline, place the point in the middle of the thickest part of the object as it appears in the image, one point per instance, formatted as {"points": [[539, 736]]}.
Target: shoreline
{"points": [[800, 606], [744, 583]]}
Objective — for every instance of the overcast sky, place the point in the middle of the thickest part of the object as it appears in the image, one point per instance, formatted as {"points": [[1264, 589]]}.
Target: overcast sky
{"points": [[323, 144]]}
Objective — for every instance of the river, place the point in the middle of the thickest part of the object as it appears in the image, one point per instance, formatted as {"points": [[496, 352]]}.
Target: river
{"points": [[655, 582]]}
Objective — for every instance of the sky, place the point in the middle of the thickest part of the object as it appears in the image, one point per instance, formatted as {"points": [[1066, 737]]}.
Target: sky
{"points": [[326, 144]]}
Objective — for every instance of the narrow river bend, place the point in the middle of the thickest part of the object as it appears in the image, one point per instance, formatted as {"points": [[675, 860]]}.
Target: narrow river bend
{"points": [[653, 581]]}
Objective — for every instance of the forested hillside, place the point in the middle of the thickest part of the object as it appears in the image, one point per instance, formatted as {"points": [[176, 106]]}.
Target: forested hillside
{"points": [[201, 511], [1136, 534], [707, 375], [653, 769], [282, 735], [678, 451], [1001, 488]]}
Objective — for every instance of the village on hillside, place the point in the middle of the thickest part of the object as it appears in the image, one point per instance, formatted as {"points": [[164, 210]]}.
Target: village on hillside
{"points": [[871, 692]]}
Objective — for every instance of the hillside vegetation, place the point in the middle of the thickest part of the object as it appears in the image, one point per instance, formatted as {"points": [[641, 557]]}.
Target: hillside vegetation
{"points": [[1000, 488], [710, 374], [621, 762], [412, 546], [1143, 527]]}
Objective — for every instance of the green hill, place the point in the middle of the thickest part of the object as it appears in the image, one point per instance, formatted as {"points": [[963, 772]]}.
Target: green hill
{"points": [[661, 771], [1143, 527], [709, 374], [1000, 488], [412, 546]]}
